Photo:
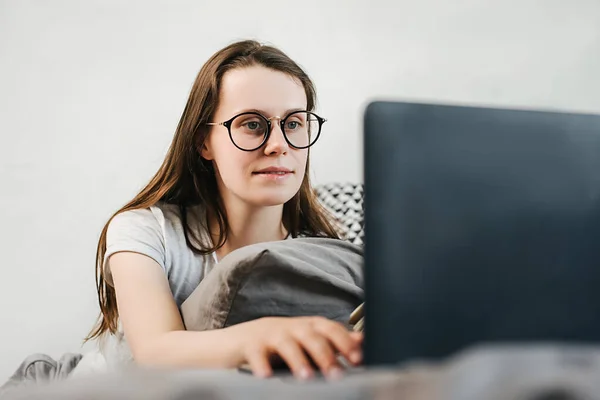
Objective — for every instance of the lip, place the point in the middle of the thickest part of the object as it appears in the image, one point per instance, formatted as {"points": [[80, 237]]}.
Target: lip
{"points": [[274, 170]]}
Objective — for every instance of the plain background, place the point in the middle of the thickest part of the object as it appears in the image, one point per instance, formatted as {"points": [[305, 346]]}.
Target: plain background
{"points": [[91, 92]]}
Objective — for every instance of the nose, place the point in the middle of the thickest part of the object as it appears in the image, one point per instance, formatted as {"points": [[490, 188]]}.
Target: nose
{"points": [[276, 143]]}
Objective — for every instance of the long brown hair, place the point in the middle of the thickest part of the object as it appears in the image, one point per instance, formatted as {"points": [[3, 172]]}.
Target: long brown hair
{"points": [[185, 179]]}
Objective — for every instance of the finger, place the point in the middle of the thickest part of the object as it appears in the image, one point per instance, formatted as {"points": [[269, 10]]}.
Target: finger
{"points": [[320, 349], [358, 337], [258, 360], [342, 339], [292, 354]]}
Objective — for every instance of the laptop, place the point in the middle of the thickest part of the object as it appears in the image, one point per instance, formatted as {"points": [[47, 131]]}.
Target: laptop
{"points": [[482, 226]]}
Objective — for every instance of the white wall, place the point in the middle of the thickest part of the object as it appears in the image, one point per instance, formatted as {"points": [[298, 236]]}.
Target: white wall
{"points": [[91, 92]]}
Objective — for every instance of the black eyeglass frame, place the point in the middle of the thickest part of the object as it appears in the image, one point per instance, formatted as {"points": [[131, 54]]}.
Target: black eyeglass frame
{"points": [[282, 121]]}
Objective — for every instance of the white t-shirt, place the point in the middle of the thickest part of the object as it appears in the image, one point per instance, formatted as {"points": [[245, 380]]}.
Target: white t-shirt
{"points": [[158, 233]]}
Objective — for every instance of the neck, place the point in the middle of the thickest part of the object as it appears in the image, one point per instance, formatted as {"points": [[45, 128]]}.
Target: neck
{"points": [[249, 225]]}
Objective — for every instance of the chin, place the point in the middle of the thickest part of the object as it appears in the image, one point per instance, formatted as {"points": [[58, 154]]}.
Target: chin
{"points": [[271, 197]]}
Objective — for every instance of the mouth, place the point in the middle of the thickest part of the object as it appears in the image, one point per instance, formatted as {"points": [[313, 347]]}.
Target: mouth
{"points": [[273, 171]]}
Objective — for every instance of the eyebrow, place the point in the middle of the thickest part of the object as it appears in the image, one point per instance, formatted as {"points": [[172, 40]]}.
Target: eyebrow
{"points": [[287, 112]]}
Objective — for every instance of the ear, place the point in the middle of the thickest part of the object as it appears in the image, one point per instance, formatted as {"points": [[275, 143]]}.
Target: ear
{"points": [[204, 150], [206, 153]]}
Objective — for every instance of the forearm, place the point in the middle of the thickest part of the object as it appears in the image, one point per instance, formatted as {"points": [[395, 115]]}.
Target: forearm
{"points": [[190, 349]]}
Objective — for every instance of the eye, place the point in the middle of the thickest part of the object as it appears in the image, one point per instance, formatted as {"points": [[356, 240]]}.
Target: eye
{"points": [[253, 125], [292, 125]]}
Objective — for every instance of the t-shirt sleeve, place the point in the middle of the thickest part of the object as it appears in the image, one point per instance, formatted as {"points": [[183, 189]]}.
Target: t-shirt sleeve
{"points": [[136, 231]]}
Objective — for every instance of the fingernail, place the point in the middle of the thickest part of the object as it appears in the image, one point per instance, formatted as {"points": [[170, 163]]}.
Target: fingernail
{"points": [[304, 373], [355, 356], [262, 374], [335, 373]]}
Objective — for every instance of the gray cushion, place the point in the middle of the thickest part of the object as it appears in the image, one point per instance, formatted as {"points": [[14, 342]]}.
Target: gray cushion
{"points": [[296, 277]]}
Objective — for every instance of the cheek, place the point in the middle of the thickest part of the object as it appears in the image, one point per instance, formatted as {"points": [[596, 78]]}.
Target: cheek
{"points": [[233, 166], [302, 159]]}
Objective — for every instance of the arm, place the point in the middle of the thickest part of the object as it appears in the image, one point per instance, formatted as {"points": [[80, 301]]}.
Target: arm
{"points": [[152, 324], [157, 337]]}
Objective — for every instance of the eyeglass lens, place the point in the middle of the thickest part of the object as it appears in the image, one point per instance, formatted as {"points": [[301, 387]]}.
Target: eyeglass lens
{"points": [[248, 131]]}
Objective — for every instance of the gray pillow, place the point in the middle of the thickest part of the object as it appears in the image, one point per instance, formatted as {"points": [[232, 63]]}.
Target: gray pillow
{"points": [[295, 277]]}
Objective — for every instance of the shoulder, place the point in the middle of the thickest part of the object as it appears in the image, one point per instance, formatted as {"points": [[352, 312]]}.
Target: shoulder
{"points": [[158, 218], [159, 233], [155, 214], [148, 230]]}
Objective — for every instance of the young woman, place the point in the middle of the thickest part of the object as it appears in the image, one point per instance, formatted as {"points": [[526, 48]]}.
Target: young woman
{"points": [[235, 174]]}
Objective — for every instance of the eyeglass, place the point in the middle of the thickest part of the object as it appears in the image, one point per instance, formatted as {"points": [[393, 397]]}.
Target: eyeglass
{"points": [[250, 130]]}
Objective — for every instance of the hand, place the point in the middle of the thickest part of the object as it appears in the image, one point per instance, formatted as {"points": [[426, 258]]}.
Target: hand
{"points": [[292, 339]]}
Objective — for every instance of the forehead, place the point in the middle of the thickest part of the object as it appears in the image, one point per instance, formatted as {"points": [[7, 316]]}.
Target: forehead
{"points": [[260, 88]]}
